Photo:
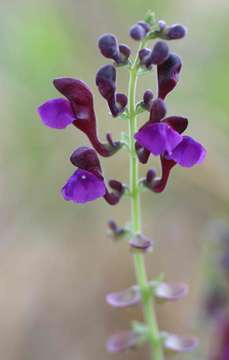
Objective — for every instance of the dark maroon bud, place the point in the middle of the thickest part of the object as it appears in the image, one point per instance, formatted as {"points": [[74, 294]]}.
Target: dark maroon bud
{"points": [[142, 153], [114, 197], [81, 99], [124, 53], [147, 99], [141, 242], [145, 26], [158, 110], [105, 80], [86, 158], [160, 53], [137, 32], [108, 45], [175, 32], [144, 55], [117, 232], [178, 123], [117, 186], [150, 176], [159, 185], [168, 75], [121, 101]]}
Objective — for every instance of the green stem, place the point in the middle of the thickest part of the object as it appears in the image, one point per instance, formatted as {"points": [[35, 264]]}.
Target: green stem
{"points": [[147, 297]]}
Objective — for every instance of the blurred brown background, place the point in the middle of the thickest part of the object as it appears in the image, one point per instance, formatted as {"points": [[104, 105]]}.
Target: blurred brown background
{"points": [[56, 263]]}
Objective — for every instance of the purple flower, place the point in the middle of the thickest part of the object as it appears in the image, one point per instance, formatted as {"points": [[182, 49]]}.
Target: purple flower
{"points": [[188, 152], [56, 113], [77, 109], [168, 75], [158, 138], [87, 183], [161, 139], [83, 186]]}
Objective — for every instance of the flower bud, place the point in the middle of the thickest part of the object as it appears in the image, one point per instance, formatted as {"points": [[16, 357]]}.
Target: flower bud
{"points": [[141, 242], [113, 198], [168, 75], [147, 99], [86, 158], [159, 53], [105, 80], [158, 110], [122, 341], [125, 298], [178, 344], [124, 53], [108, 45], [121, 101], [175, 32], [144, 25], [117, 232], [137, 32], [162, 25], [142, 153]]}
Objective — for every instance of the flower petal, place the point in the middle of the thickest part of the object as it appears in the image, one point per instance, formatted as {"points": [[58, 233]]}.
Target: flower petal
{"points": [[179, 344], [158, 138], [188, 153], [122, 341], [125, 298], [141, 242], [56, 113], [170, 292], [82, 187]]}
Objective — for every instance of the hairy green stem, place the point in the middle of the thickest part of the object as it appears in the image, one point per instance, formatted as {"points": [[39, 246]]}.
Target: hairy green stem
{"points": [[147, 297]]}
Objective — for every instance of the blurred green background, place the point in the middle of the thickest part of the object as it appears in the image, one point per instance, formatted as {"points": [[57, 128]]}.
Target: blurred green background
{"points": [[56, 263]]}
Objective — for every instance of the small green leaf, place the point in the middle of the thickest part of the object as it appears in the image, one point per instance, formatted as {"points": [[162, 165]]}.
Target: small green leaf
{"points": [[139, 328], [124, 115], [124, 138], [150, 17], [140, 108]]}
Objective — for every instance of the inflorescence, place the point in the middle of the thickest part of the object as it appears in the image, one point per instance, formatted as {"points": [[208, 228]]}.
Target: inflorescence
{"points": [[160, 135]]}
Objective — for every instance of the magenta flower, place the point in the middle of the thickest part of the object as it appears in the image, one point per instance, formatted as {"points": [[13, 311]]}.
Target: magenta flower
{"points": [[83, 186], [77, 109], [87, 182], [158, 138]]}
